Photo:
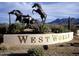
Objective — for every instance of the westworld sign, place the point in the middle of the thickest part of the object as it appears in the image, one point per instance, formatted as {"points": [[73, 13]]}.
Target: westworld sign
{"points": [[37, 39]]}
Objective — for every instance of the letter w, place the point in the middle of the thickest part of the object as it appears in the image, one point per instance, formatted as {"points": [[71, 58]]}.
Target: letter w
{"points": [[22, 38]]}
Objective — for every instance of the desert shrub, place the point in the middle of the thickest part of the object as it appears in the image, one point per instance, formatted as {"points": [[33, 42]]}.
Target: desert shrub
{"points": [[44, 29], [59, 29], [19, 27], [2, 47], [2, 30], [35, 52], [16, 28], [11, 28]]}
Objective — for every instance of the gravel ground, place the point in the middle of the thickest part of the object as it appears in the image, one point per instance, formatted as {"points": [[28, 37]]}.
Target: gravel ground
{"points": [[65, 49]]}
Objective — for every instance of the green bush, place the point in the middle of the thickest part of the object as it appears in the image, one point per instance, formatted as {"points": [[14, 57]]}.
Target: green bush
{"points": [[2, 47], [35, 52], [19, 27], [11, 28], [2, 30], [60, 29], [16, 28], [44, 29]]}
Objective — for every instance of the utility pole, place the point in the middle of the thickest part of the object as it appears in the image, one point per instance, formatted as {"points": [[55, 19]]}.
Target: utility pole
{"points": [[7, 28], [69, 23], [9, 20]]}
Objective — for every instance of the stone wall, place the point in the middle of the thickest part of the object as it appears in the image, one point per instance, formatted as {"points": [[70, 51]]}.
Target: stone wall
{"points": [[36, 39]]}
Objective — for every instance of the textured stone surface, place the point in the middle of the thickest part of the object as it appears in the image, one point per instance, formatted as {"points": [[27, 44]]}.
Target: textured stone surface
{"points": [[37, 39]]}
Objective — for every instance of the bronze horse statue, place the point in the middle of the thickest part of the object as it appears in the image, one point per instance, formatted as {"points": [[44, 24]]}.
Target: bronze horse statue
{"points": [[17, 13], [22, 18], [40, 11]]}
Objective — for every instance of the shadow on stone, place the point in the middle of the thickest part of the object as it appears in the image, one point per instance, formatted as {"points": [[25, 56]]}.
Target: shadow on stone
{"points": [[75, 44], [61, 45], [18, 54], [76, 53], [45, 47], [1, 38]]}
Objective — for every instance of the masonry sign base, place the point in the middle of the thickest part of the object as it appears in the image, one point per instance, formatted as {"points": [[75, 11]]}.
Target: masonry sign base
{"points": [[37, 39]]}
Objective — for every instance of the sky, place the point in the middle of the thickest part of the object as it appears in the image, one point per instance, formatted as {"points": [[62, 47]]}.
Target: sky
{"points": [[53, 10]]}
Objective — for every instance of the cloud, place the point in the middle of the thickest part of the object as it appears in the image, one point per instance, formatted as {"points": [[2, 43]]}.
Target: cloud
{"points": [[53, 9]]}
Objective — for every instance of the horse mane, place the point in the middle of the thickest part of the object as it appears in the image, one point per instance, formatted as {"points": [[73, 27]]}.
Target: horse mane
{"points": [[18, 11]]}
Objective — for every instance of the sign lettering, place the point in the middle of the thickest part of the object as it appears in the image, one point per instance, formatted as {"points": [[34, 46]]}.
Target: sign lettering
{"points": [[33, 39], [22, 39], [37, 39]]}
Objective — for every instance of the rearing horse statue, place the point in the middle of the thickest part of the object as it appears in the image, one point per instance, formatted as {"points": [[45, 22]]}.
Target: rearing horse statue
{"points": [[40, 11]]}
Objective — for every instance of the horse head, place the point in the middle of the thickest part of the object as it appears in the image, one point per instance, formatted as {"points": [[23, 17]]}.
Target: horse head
{"points": [[15, 12], [36, 5], [11, 12], [40, 11]]}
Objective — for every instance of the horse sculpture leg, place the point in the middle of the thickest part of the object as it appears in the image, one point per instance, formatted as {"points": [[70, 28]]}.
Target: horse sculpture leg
{"points": [[42, 15], [33, 11], [43, 19]]}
